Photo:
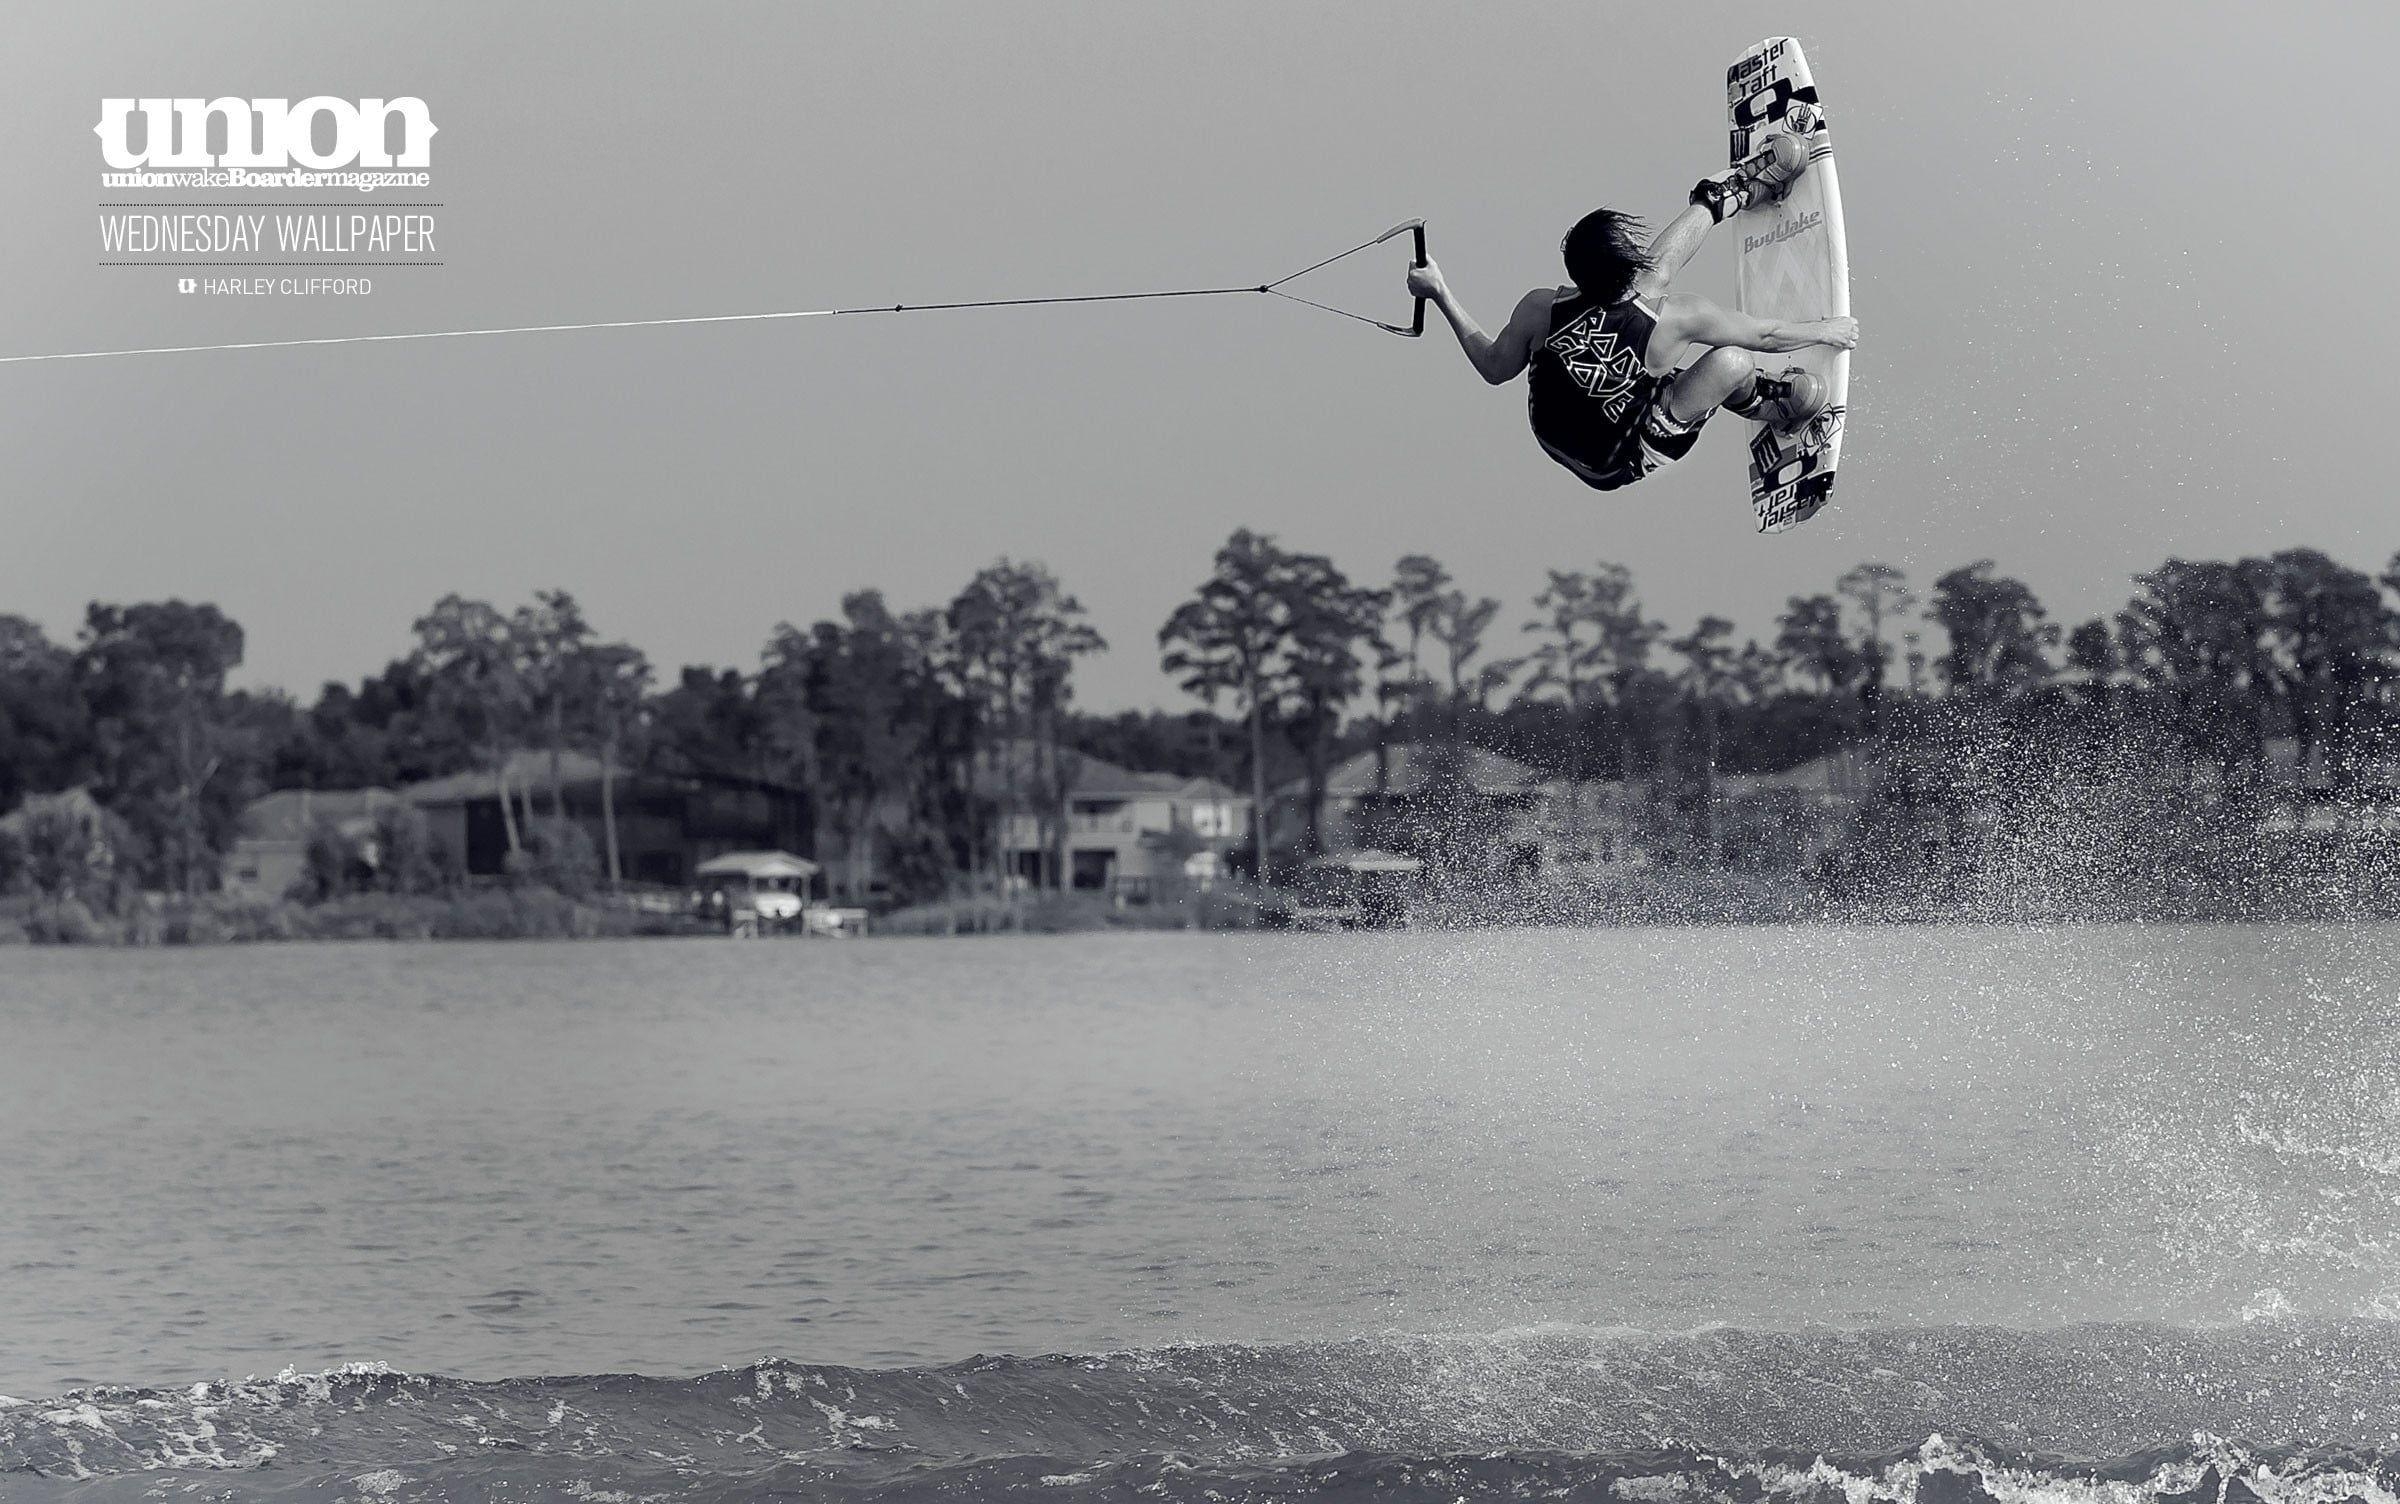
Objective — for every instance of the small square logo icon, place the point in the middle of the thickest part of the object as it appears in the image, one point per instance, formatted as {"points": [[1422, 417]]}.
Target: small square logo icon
{"points": [[187, 284]]}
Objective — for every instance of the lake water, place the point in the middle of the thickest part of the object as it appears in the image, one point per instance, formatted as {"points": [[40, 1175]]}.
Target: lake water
{"points": [[1403, 1198]]}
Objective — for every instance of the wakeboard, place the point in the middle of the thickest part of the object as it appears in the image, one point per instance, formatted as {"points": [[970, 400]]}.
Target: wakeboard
{"points": [[1792, 264]]}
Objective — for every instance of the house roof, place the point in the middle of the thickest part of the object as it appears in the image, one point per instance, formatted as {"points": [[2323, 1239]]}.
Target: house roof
{"points": [[526, 770], [1410, 768], [1211, 790], [1096, 777], [1108, 781], [1845, 772], [288, 814]]}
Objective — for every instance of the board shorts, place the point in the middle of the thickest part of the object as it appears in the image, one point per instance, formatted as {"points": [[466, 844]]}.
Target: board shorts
{"points": [[1642, 443]]}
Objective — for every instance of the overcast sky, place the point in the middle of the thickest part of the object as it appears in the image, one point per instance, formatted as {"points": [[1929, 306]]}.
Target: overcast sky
{"points": [[2123, 273]]}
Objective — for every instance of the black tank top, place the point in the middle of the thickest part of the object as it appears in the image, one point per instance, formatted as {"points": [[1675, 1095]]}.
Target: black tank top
{"points": [[1589, 380]]}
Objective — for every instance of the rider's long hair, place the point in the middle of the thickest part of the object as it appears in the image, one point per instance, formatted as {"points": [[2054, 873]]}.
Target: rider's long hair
{"points": [[1604, 254]]}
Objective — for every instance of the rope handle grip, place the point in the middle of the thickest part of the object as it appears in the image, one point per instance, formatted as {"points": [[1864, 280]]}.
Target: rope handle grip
{"points": [[1415, 227]]}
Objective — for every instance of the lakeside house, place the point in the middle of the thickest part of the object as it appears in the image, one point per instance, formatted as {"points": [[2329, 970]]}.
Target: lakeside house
{"points": [[1473, 814], [270, 853], [1791, 820], [666, 824], [1126, 833], [1402, 798], [1525, 825]]}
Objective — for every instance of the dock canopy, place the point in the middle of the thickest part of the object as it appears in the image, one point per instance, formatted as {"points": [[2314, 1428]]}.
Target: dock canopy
{"points": [[757, 866]]}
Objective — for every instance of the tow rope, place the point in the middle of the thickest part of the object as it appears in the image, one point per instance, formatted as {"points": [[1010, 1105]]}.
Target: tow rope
{"points": [[1271, 289]]}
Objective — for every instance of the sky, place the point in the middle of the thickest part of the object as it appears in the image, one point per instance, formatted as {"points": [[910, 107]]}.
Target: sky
{"points": [[2122, 272]]}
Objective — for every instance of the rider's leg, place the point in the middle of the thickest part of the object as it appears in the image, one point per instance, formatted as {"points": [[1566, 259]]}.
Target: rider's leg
{"points": [[1766, 177], [1675, 246], [1782, 401], [1705, 384]]}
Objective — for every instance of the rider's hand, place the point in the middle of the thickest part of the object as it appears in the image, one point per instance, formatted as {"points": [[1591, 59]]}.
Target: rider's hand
{"points": [[1841, 334], [1425, 281]]}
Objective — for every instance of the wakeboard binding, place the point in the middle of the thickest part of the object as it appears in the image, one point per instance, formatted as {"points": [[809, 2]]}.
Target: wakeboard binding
{"points": [[1763, 178]]}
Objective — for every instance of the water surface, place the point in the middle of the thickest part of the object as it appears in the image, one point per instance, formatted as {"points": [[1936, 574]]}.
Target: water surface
{"points": [[504, 1159], [523, 1160]]}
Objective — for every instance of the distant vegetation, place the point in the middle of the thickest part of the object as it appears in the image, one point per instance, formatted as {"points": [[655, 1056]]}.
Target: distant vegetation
{"points": [[1997, 739]]}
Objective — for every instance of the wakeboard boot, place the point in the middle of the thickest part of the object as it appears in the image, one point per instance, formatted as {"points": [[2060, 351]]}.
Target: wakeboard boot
{"points": [[1786, 402], [1764, 178]]}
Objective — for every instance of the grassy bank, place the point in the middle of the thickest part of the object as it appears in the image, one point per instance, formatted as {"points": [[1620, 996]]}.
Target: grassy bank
{"points": [[1672, 898], [1069, 913], [525, 913], [1657, 898], [1669, 898]]}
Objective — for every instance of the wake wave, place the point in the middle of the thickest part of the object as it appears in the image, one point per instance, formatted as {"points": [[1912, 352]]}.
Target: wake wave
{"points": [[2273, 1412]]}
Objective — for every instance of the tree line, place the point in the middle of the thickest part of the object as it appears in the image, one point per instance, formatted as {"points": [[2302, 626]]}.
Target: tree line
{"points": [[919, 734]]}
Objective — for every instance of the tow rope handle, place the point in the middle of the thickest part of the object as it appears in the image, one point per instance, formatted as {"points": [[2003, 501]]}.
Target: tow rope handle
{"points": [[1414, 227]]}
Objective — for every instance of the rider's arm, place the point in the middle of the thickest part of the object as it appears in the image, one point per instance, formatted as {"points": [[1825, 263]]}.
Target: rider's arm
{"points": [[1496, 359], [1685, 318]]}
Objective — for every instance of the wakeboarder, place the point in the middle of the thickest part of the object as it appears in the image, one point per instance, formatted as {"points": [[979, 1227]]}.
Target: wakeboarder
{"points": [[1610, 392]]}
